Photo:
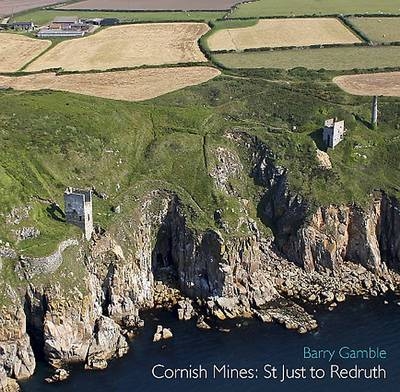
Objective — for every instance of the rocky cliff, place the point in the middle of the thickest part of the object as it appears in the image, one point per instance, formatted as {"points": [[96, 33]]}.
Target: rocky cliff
{"points": [[155, 255]]}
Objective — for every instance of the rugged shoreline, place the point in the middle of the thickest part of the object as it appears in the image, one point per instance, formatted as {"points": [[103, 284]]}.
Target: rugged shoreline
{"points": [[156, 258]]}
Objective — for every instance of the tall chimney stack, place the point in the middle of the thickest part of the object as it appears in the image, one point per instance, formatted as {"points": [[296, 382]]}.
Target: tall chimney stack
{"points": [[374, 117]]}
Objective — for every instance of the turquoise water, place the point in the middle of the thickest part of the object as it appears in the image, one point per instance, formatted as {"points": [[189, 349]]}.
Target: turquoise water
{"points": [[356, 324]]}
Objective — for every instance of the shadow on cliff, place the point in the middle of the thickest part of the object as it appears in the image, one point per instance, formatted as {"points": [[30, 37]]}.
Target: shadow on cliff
{"points": [[35, 306]]}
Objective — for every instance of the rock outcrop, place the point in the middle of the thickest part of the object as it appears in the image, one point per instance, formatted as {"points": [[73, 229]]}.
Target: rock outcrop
{"points": [[107, 343], [17, 360]]}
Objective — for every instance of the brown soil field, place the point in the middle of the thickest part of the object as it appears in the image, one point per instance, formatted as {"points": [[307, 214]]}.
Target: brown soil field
{"points": [[385, 83], [8, 7], [283, 32], [127, 46], [135, 85], [153, 5], [17, 50]]}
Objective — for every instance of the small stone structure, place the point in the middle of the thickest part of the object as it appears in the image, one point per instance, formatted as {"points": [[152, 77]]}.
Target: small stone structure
{"points": [[333, 132], [78, 209]]}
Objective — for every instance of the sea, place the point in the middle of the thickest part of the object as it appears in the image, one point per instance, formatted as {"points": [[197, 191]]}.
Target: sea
{"points": [[233, 351]]}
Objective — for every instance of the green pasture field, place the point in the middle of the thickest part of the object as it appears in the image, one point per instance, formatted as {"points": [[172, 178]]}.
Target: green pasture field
{"points": [[379, 30], [315, 7], [337, 58], [42, 17]]}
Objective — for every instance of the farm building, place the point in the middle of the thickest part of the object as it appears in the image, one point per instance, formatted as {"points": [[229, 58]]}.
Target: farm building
{"points": [[65, 27], [46, 33], [109, 22], [27, 26], [333, 132], [64, 22], [103, 21]]}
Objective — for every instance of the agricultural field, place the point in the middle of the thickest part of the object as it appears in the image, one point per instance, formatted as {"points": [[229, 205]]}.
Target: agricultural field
{"points": [[314, 7], [8, 7], [283, 32], [134, 85], [379, 30], [344, 58], [145, 5], [42, 17], [17, 50], [385, 84], [127, 46]]}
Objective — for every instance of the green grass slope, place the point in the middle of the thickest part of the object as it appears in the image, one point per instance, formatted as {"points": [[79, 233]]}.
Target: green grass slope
{"points": [[53, 140]]}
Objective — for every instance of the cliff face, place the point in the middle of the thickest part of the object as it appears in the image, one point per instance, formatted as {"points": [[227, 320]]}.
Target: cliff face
{"points": [[199, 264], [332, 234], [231, 272], [17, 360]]}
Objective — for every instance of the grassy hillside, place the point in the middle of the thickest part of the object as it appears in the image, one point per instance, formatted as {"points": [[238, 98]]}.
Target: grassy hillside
{"points": [[52, 140]]}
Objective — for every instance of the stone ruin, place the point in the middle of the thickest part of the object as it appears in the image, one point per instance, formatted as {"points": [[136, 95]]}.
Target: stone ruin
{"points": [[78, 209]]}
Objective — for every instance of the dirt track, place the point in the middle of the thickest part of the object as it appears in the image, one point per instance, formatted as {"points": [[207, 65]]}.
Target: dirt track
{"points": [[386, 84], [270, 33], [136, 85], [154, 5], [127, 46], [16, 50]]}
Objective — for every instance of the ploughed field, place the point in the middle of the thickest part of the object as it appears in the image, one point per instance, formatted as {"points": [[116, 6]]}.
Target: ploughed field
{"points": [[151, 5], [127, 46], [17, 50], [340, 58], [387, 84], [134, 85], [283, 32], [382, 29], [8, 7]]}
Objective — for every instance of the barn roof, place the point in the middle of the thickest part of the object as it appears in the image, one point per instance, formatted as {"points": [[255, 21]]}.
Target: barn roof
{"points": [[65, 19]]}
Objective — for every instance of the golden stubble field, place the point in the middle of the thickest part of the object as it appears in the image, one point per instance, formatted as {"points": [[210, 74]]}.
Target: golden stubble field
{"points": [[272, 33], [384, 83], [127, 46], [134, 85], [17, 50]]}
